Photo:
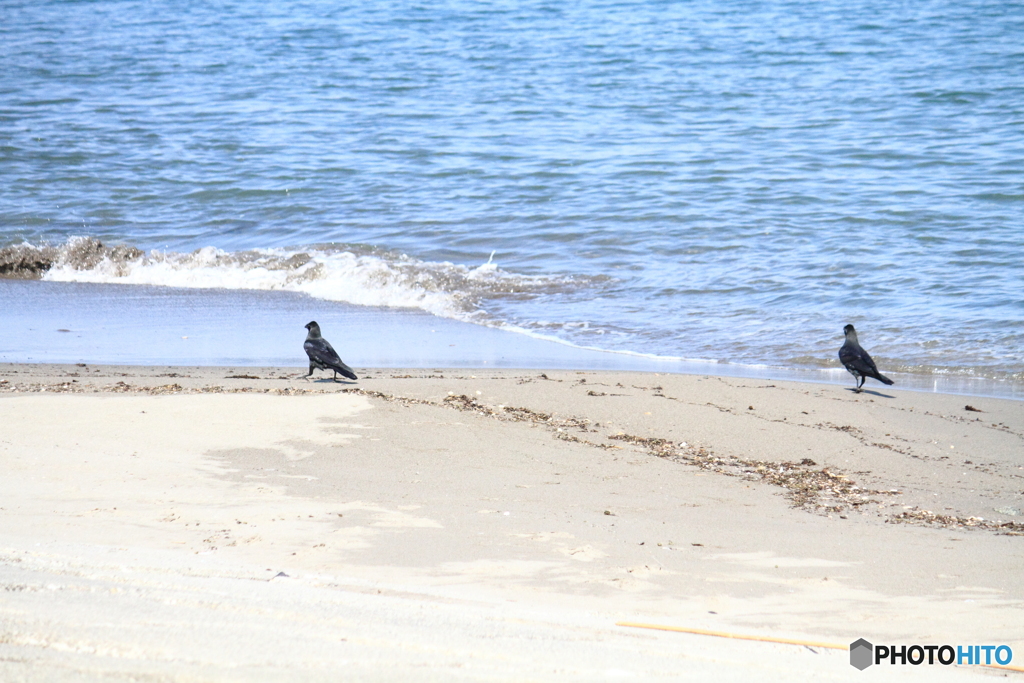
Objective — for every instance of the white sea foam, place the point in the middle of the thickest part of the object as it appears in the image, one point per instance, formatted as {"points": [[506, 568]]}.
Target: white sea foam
{"points": [[394, 281]]}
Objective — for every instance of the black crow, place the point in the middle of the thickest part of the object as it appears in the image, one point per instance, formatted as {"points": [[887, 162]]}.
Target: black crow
{"points": [[322, 355], [857, 360]]}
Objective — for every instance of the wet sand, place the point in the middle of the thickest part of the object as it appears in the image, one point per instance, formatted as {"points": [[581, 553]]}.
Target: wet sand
{"points": [[185, 523]]}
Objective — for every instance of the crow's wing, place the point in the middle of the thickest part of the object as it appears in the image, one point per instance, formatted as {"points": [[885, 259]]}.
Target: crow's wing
{"points": [[321, 351], [856, 358]]}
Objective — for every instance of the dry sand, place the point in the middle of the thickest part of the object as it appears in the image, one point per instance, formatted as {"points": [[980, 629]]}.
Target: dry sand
{"points": [[234, 524]]}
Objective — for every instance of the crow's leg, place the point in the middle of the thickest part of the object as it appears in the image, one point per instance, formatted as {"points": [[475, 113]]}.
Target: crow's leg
{"points": [[860, 383], [335, 375], [310, 373]]}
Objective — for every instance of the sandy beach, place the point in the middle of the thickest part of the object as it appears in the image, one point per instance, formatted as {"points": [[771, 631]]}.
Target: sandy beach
{"points": [[237, 524]]}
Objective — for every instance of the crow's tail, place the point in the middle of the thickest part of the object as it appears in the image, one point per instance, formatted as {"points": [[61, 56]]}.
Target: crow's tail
{"points": [[883, 379], [347, 371]]}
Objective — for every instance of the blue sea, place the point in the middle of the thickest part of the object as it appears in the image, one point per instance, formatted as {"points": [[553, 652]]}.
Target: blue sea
{"points": [[633, 185]]}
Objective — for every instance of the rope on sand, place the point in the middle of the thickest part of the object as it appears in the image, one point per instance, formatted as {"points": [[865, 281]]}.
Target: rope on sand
{"points": [[769, 639], [723, 634]]}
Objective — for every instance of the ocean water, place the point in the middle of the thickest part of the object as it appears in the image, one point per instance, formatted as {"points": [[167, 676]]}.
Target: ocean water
{"points": [[702, 182]]}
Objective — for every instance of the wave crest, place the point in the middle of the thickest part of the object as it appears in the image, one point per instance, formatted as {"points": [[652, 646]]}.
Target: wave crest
{"points": [[31, 262], [345, 274]]}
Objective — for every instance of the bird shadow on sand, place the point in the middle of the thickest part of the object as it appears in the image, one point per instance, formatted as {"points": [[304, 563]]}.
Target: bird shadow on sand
{"points": [[873, 393], [328, 380]]}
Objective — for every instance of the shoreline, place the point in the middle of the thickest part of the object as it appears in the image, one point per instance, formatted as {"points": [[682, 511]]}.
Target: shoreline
{"points": [[494, 524], [85, 322]]}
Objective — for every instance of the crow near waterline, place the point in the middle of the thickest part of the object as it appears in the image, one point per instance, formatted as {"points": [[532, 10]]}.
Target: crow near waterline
{"points": [[322, 355], [857, 360]]}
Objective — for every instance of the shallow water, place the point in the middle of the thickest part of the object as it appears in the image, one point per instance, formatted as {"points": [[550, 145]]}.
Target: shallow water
{"points": [[71, 322], [712, 181]]}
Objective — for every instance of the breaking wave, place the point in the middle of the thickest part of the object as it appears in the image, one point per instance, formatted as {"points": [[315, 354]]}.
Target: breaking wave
{"points": [[345, 274]]}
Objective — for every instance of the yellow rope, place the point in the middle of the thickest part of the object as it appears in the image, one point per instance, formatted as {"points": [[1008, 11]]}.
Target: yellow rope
{"points": [[723, 634], [767, 639]]}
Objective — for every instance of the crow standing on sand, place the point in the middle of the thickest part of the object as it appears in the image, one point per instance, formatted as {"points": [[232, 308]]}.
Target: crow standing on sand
{"points": [[322, 355], [857, 360]]}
